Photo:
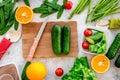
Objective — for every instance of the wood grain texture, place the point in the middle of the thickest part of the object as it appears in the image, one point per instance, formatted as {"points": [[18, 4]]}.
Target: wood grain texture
{"points": [[44, 49], [9, 69]]}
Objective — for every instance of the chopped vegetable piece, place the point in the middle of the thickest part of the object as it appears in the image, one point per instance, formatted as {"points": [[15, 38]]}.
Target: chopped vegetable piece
{"points": [[94, 38]]}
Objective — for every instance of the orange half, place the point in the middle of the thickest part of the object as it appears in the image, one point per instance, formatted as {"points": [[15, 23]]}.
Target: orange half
{"points": [[100, 63], [24, 14]]}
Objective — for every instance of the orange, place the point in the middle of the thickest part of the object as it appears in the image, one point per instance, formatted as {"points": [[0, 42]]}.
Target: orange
{"points": [[100, 63], [24, 14], [36, 71]]}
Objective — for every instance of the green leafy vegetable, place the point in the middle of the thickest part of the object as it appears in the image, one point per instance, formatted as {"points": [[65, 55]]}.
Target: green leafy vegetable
{"points": [[48, 8], [80, 71], [54, 6], [4, 2], [102, 9], [60, 12], [2, 18], [27, 2], [7, 16], [99, 47], [7, 9], [15, 22]]}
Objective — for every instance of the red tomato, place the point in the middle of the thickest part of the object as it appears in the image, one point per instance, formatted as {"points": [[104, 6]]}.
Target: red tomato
{"points": [[88, 32], [59, 72], [68, 5], [85, 45]]}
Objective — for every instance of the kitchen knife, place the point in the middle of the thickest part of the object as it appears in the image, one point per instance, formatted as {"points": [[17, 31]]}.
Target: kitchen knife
{"points": [[36, 41]]}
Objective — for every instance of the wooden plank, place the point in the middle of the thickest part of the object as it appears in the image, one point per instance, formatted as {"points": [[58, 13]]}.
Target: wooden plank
{"points": [[44, 48]]}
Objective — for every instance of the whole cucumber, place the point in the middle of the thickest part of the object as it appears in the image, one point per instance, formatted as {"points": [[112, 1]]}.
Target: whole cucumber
{"points": [[66, 39], [23, 76], [117, 62], [113, 50], [56, 39]]}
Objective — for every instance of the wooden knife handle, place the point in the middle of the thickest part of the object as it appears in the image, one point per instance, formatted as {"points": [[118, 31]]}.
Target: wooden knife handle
{"points": [[32, 50]]}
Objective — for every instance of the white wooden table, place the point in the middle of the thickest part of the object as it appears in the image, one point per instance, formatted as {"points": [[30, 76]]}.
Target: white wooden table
{"points": [[14, 53]]}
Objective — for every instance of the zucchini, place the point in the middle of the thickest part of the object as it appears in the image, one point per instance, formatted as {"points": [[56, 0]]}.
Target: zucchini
{"points": [[56, 39], [117, 62], [94, 38], [24, 77], [66, 39], [112, 51]]}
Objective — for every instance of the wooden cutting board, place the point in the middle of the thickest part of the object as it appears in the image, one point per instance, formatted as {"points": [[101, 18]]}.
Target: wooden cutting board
{"points": [[9, 69], [44, 48]]}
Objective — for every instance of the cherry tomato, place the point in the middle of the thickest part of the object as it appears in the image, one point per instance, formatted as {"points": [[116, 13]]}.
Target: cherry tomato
{"points": [[88, 32], [59, 72], [85, 45], [68, 5]]}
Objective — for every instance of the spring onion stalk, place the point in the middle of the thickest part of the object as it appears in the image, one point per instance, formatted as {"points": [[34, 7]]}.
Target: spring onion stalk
{"points": [[82, 4], [102, 9]]}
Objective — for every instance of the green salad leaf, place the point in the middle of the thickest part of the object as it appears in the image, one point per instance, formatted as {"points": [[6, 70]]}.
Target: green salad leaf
{"points": [[80, 71]]}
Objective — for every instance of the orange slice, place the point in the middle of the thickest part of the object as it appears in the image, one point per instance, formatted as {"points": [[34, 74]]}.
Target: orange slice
{"points": [[100, 63], [24, 14]]}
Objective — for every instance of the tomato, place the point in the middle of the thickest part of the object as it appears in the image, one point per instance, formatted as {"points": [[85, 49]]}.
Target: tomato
{"points": [[85, 45], [68, 5], [59, 72], [88, 32]]}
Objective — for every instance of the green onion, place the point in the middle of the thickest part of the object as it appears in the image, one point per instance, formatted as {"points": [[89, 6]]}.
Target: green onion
{"points": [[102, 9], [82, 4]]}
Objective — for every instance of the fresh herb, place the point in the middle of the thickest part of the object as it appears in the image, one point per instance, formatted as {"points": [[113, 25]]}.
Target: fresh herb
{"points": [[80, 71], [27, 2], [102, 9], [6, 16], [82, 4], [4, 2]]}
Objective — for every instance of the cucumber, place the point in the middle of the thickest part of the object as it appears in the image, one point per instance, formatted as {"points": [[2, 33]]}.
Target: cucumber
{"points": [[112, 51], [94, 38], [56, 34], [24, 71], [117, 62], [66, 39]]}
